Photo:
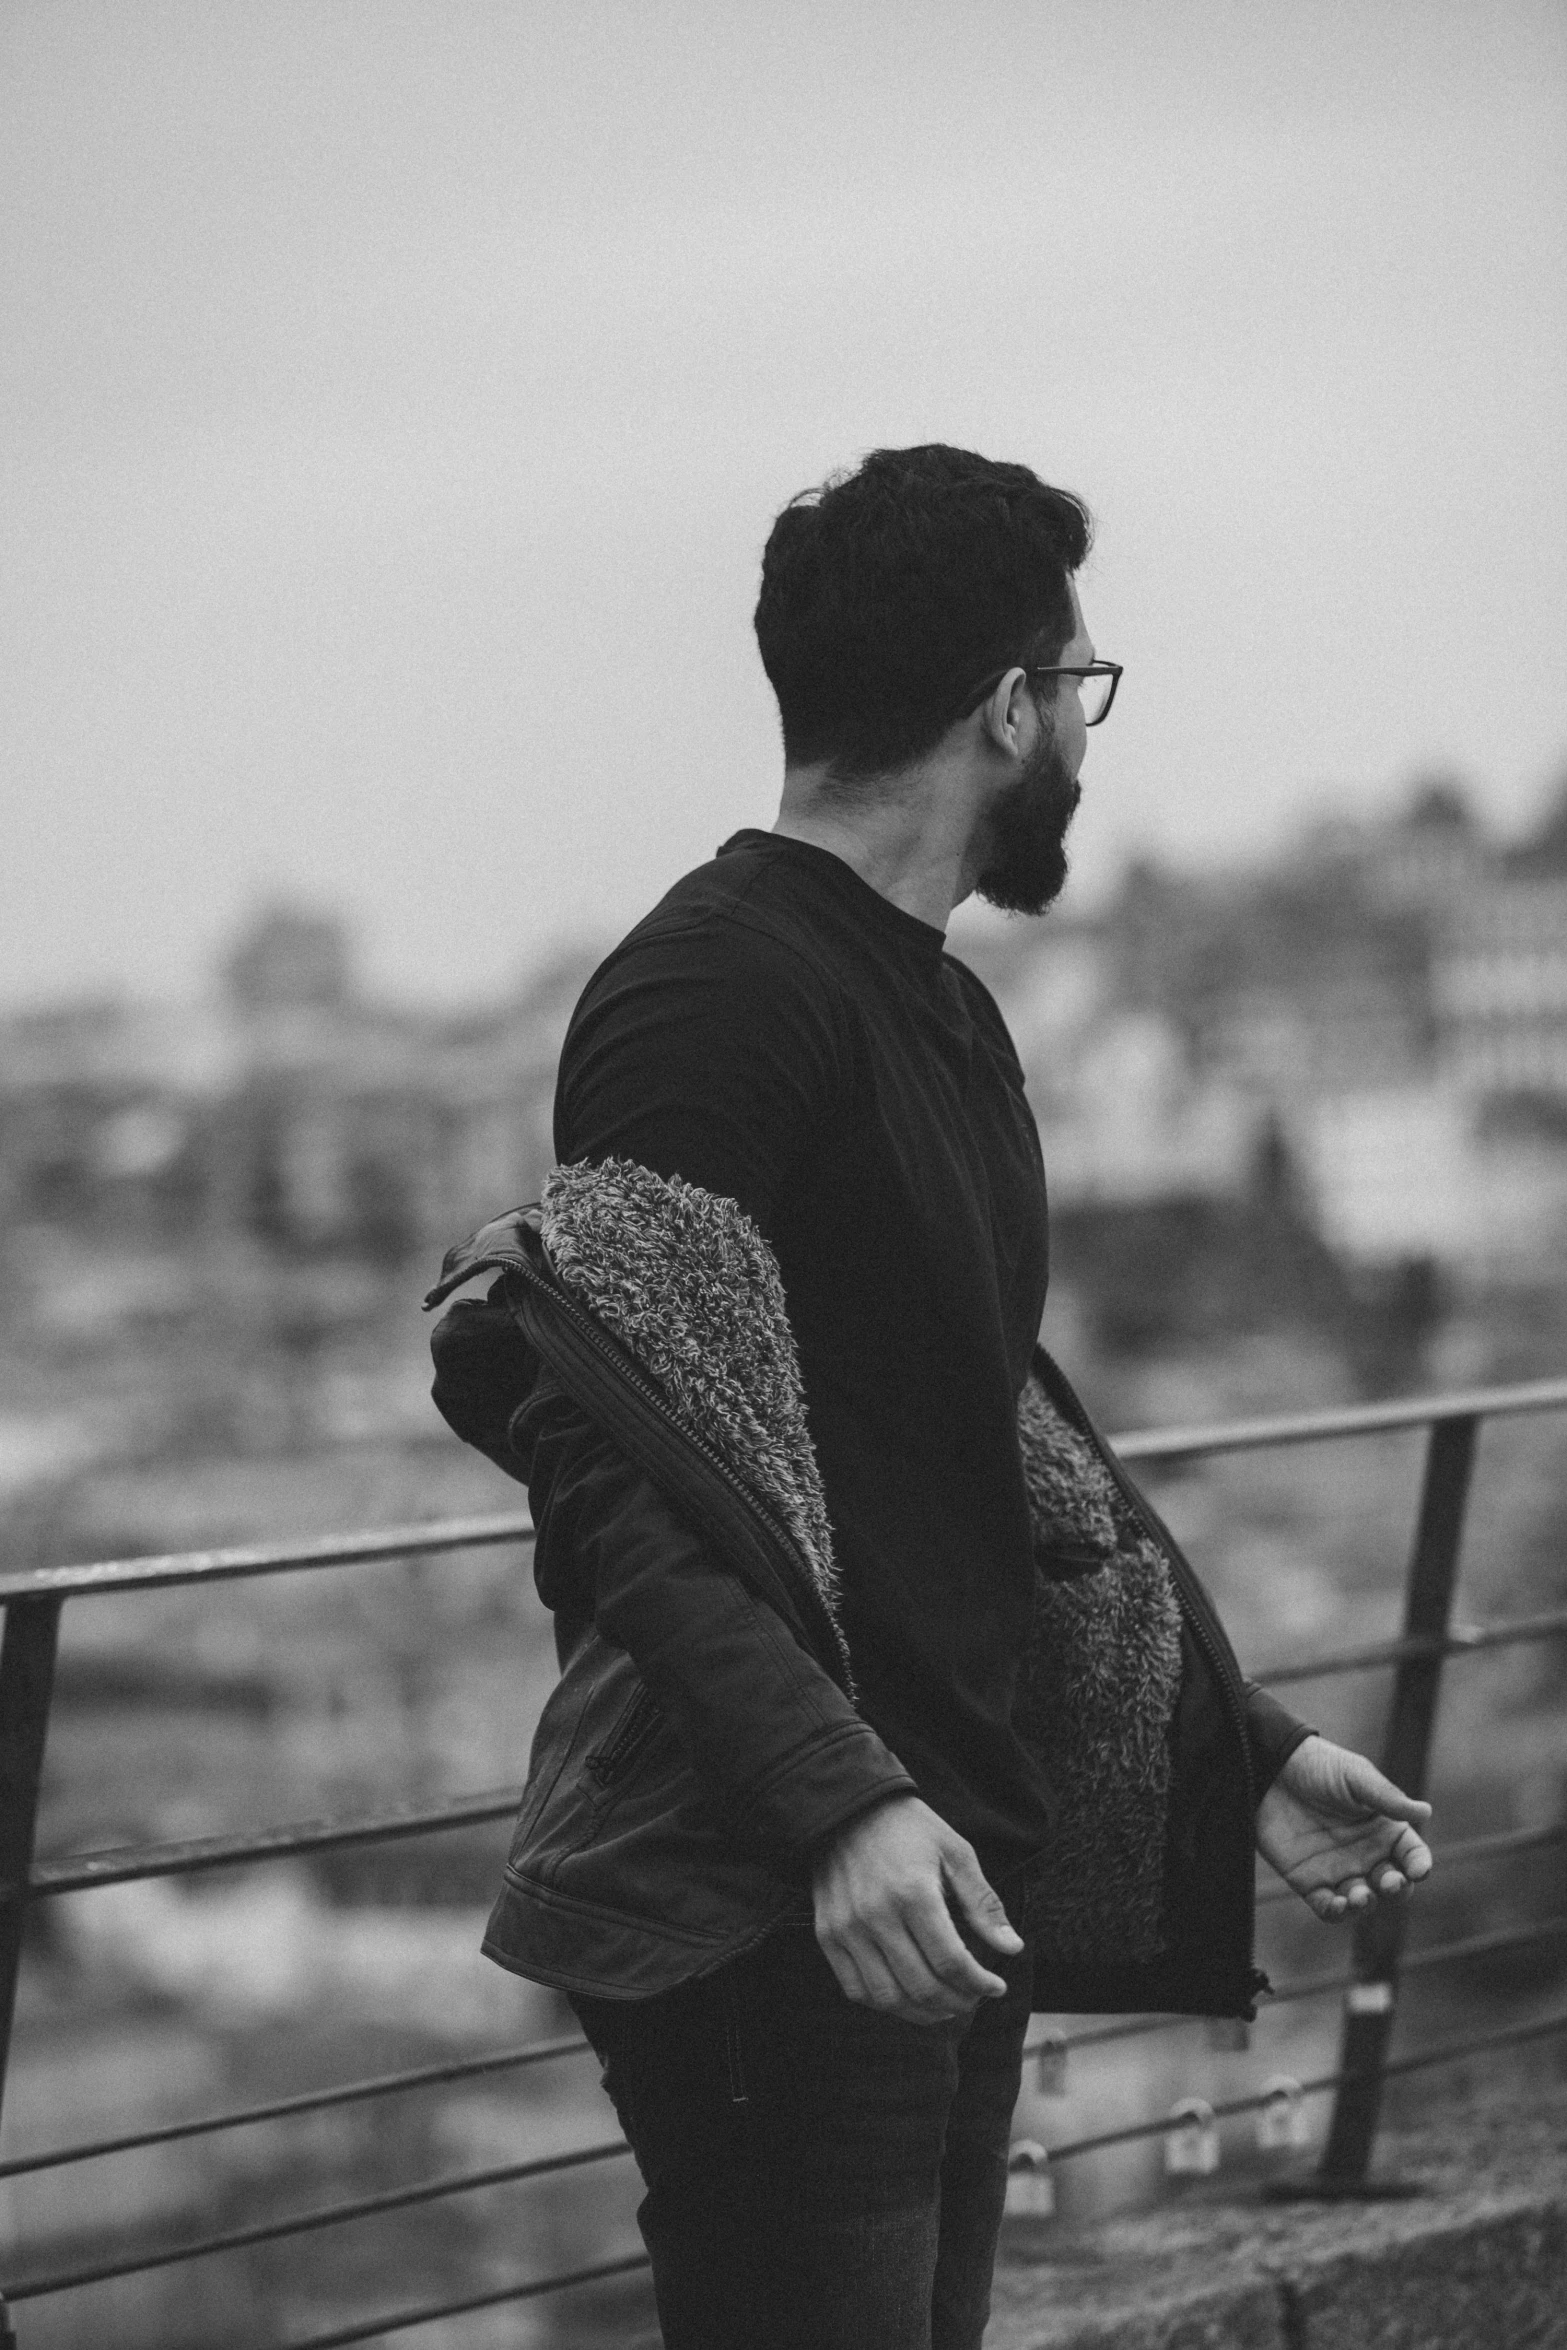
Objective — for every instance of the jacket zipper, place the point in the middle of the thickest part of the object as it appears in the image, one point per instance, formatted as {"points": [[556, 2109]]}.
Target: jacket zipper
{"points": [[514, 1262], [611, 1761]]}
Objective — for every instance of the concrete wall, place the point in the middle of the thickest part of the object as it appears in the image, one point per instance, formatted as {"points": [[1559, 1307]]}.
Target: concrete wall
{"points": [[1476, 2261]]}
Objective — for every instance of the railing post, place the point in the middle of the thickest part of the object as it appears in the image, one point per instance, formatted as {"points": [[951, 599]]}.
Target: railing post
{"points": [[1379, 1931], [27, 1654], [32, 1631]]}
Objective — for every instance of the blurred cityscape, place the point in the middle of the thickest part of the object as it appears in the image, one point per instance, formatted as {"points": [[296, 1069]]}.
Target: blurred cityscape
{"points": [[1306, 1131]]}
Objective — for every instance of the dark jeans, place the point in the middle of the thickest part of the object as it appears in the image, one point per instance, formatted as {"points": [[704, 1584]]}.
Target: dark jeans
{"points": [[819, 2177]]}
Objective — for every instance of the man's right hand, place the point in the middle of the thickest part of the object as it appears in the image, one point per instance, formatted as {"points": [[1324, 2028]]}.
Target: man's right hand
{"points": [[881, 1891]]}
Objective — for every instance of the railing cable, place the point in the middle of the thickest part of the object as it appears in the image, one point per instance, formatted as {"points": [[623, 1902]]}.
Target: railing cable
{"points": [[131, 1863], [1469, 1849], [1311, 1986], [1449, 2052], [167, 1569], [128, 1864], [397, 2321], [1366, 1419], [310, 2101], [330, 2215], [1438, 1954], [1458, 1640], [32, 1597]]}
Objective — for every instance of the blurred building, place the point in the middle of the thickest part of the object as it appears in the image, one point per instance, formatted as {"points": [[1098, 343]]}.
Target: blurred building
{"points": [[1390, 1000], [1499, 987], [288, 1109]]}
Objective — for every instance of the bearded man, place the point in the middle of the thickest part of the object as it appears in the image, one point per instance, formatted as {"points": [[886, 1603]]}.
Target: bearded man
{"points": [[889, 1711]]}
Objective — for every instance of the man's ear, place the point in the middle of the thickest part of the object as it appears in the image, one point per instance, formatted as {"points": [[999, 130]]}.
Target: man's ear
{"points": [[1003, 714]]}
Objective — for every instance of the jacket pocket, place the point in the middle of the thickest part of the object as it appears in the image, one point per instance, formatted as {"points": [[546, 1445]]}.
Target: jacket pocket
{"points": [[610, 1761], [598, 1729], [555, 1741]]}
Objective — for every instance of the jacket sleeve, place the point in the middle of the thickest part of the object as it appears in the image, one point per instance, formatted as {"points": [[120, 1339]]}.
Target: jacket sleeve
{"points": [[769, 1734], [1272, 1733]]}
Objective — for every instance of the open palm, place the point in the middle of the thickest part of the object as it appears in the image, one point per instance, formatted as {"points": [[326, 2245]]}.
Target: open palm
{"points": [[1339, 1833]]}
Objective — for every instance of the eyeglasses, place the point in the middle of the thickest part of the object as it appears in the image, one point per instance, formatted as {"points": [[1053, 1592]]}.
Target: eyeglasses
{"points": [[1096, 682]]}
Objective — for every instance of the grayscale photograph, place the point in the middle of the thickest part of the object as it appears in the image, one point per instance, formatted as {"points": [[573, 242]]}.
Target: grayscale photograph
{"points": [[783, 1175]]}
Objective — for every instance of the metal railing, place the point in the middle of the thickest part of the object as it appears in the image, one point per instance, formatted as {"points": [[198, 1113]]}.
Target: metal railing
{"points": [[34, 1598]]}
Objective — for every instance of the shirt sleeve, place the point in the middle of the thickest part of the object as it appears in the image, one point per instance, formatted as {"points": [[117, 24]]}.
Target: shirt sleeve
{"points": [[1272, 1733], [707, 1050]]}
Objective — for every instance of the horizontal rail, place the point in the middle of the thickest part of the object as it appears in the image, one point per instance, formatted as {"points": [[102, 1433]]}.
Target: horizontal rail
{"points": [[1434, 1954], [1449, 2052], [398, 2321], [422, 2076], [300, 2223], [1366, 1419], [122, 1864], [419, 1540], [125, 1864], [80, 1872], [573, 2044], [1312, 1986], [169, 1568], [1459, 1640], [1438, 1954]]}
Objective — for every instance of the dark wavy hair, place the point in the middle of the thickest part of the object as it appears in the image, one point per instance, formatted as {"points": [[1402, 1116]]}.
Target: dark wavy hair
{"points": [[891, 592]]}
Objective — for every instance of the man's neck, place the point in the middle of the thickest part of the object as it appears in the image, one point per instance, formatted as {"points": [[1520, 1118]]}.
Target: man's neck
{"points": [[909, 849]]}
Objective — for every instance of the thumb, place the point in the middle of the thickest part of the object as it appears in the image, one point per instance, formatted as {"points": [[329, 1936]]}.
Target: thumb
{"points": [[1365, 1784], [978, 1900]]}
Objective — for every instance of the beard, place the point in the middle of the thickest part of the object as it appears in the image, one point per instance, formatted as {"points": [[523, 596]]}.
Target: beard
{"points": [[1026, 868]]}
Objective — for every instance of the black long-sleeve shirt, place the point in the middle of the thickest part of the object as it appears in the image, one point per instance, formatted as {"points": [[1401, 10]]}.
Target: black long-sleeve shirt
{"points": [[781, 1034]]}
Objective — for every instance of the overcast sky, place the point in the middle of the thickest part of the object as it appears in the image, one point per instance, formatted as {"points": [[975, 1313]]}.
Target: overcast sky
{"points": [[397, 397]]}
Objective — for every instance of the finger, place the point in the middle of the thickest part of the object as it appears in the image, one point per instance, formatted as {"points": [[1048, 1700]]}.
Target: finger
{"points": [[930, 1927], [927, 1997], [980, 1903], [1365, 1784], [1412, 1854], [882, 1989], [1390, 1883], [1328, 1906], [840, 1959], [1357, 1893]]}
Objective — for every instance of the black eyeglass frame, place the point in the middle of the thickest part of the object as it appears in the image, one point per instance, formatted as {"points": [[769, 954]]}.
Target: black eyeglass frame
{"points": [[1110, 669]]}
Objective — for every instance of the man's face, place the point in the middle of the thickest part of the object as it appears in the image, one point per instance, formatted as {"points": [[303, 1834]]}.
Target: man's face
{"points": [[1026, 867]]}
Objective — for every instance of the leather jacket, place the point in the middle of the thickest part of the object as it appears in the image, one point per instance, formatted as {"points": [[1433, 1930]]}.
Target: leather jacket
{"points": [[702, 1743]]}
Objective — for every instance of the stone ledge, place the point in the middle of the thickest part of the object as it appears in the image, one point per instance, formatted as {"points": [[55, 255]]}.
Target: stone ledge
{"points": [[1477, 2261]]}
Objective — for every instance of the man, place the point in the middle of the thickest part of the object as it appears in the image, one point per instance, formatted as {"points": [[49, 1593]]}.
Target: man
{"points": [[871, 1655]]}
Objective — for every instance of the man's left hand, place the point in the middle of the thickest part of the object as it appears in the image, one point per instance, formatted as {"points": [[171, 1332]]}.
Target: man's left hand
{"points": [[1339, 1833]]}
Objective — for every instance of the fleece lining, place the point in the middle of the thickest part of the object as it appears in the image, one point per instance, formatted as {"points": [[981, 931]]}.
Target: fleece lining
{"points": [[1097, 1699], [685, 1281], [688, 1285]]}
